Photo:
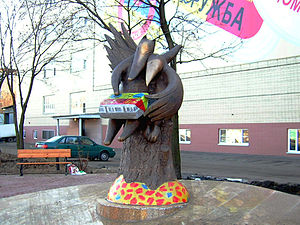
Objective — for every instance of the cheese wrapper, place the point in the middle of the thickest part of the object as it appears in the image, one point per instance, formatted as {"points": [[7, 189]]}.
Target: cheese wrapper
{"points": [[124, 106]]}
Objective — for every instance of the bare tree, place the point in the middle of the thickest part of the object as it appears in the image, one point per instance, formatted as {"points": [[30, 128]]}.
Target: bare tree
{"points": [[168, 28], [33, 33], [5, 20]]}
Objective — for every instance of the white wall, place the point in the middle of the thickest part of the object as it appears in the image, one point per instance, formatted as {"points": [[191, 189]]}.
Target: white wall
{"points": [[266, 91]]}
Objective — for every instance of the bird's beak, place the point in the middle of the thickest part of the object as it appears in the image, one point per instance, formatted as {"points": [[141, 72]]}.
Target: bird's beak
{"points": [[150, 74], [139, 62], [154, 66], [144, 50]]}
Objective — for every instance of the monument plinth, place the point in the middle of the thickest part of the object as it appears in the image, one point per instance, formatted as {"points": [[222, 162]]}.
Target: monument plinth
{"points": [[134, 213]]}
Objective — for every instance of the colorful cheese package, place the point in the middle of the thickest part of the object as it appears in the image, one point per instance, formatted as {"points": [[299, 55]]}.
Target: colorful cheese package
{"points": [[124, 106]]}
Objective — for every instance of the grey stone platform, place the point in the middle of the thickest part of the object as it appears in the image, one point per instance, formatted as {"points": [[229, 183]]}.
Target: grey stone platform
{"points": [[212, 202]]}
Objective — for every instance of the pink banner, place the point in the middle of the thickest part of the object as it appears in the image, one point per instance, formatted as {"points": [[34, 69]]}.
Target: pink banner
{"points": [[238, 17]]}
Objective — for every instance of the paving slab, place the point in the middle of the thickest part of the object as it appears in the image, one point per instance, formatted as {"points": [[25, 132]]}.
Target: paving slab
{"points": [[212, 202], [11, 185]]}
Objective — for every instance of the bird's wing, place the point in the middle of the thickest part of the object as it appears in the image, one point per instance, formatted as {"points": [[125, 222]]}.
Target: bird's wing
{"points": [[167, 101], [120, 47]]}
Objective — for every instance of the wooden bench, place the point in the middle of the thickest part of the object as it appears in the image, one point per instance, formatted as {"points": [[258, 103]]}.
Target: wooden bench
{"points": [[43, 153]]}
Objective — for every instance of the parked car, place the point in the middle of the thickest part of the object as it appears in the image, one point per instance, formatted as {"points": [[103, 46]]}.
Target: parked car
{"points": [[80, 147]]}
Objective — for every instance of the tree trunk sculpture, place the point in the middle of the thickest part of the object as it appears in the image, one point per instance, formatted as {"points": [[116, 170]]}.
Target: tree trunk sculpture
{"points": [[146, 174]]}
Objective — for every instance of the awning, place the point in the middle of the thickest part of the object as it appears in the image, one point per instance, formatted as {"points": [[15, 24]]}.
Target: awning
{"points": [[78, 116], [7, 109]]}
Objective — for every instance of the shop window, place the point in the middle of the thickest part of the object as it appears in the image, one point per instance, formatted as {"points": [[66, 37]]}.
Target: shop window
{"points": [[238, 137], [46, 134], [184, 136], [294, 141]]}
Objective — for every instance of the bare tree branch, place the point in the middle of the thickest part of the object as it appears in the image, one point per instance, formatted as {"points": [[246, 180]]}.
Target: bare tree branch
{"points": [[47, 31]]}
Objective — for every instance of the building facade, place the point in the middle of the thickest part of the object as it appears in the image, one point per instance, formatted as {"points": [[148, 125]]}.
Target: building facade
{"points": [[251, 108]]}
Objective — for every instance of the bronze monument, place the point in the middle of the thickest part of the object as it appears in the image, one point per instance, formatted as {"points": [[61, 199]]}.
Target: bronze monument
{"points": [[146, 162]]}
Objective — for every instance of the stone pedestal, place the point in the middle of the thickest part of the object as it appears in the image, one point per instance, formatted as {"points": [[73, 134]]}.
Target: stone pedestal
{"points": [[128, 213]]}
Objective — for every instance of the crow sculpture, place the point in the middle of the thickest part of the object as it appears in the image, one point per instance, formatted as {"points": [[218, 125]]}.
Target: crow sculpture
{"points": [[146, 152], [142, 71]]}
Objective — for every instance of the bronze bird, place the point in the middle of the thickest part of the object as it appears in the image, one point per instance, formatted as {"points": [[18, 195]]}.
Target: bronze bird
{"points": [[143, 71], [128, 73]]}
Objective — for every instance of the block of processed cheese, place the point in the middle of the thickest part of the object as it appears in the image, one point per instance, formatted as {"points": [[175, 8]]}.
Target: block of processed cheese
{"points": [[124, 106]]}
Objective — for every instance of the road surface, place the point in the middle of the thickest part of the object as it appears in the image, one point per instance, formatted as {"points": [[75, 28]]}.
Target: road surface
{"points": [[279, 169]]}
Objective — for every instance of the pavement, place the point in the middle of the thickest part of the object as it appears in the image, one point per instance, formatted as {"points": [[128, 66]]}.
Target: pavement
{"points": [[11, 185], [280, 169], [211, 203], [60, 199]]}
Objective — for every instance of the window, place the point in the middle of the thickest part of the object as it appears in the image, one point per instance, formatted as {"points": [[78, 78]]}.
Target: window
{"points": [[48, 104], [50, 33], [86, 141], [35, 134], [50, 2], [78, 61], [84, 64], [45, 73], [8, 118], [71, 140], [1, 118], [184, 136], [62, 141], [294, 141], [46, 134], [11, 118], [239, 137], [77, 102]]}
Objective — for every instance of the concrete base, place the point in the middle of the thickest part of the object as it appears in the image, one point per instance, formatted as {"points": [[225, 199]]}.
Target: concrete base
{"points": [[211, 202], [127, 213]]}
